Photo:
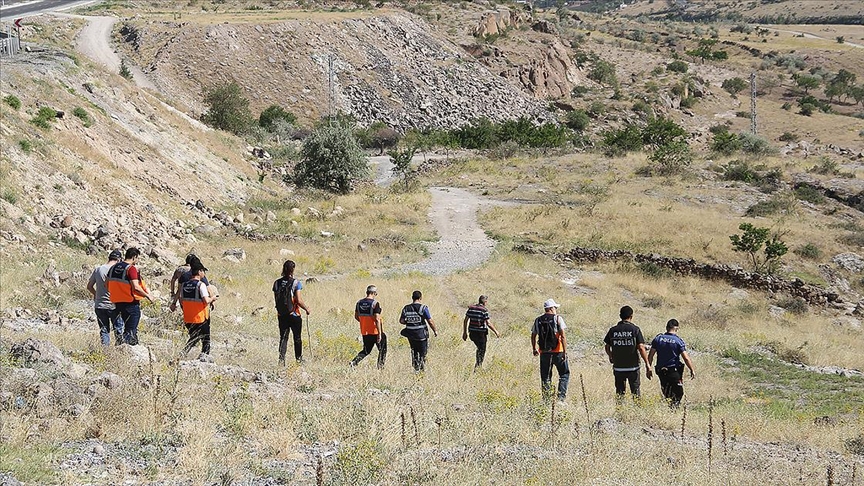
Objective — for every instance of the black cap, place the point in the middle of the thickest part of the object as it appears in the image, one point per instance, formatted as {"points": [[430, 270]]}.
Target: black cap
{"points": [[115, 255]]}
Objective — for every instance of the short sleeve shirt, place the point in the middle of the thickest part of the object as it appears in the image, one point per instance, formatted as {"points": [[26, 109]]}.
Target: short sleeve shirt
{"points": [[97, 279], [561, 325], [624, 338], [299, 286], [477, 317], [668, 348], [132, 273]]}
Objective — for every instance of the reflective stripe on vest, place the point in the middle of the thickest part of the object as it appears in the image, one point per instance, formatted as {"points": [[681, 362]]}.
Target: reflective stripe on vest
{"points": [[195, 310], [365, 309], [414, 318], [118, 284]]}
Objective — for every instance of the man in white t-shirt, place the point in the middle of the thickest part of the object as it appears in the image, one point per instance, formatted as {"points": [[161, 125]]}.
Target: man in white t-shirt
{"points": [[106, 313]]}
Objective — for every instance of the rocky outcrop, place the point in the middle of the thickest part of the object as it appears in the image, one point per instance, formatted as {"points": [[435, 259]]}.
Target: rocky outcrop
{"points": [[552, 75], [849, 192], [499, 21]]}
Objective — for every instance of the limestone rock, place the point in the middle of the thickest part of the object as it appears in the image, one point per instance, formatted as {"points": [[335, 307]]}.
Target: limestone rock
{"points": [[849, 261], [33, 351]]}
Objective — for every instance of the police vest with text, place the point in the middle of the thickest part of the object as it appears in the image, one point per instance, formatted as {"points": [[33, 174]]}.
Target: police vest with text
{"points": [[415, 323], [365, 309], [195, 310]]}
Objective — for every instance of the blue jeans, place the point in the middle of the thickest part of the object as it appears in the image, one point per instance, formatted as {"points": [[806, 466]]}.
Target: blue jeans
{"points": [[106, 318], [131, 314], [547, 362]]}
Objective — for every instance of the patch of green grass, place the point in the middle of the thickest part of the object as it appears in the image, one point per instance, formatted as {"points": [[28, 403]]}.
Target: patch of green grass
{"points": [[29, 464], [44, 117], [9, 196], [25, 146], [788, 390], [12, 101], [82, 114]]}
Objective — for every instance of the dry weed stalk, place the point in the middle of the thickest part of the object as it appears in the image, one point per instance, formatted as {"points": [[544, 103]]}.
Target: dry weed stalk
{"points": [[416, 429], [829, 479], [552, 424], [155, 382], [683, 421], [723, 432], [585, 399], [710, 431], [319, 472], [404, 437], [854, 473], [438, 422]]}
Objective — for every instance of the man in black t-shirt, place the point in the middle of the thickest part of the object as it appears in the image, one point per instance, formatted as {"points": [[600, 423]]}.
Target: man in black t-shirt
{"points": [[624, 346]]}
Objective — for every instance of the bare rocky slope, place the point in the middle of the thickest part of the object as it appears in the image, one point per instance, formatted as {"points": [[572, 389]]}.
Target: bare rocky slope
{"points": [[390, 67], [117, 167]]}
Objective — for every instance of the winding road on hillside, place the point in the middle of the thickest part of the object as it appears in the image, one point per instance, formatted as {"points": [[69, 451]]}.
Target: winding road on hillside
{"points": [[807, 35]]}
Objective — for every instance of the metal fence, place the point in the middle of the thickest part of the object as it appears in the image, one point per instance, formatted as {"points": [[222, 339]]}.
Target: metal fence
{"points": [[9, 45]]}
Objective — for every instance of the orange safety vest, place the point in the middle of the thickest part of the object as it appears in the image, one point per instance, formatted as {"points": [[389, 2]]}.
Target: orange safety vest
{"points": [[118, 284], [195, 310], [137, 295], [366, 312]]}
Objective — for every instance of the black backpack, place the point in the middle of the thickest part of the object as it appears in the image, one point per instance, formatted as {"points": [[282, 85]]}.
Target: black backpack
{"points": [[285, 296], [547, 332]]}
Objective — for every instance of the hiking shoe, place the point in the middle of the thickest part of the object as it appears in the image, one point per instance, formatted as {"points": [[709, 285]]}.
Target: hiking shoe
{"points": [[205, 358]]}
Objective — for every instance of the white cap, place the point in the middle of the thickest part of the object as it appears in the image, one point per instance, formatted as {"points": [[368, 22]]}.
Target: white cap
{"points": [[550, 304]]}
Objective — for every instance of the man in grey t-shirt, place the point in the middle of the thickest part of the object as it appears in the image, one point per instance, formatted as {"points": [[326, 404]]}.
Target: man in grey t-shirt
{"points": [[106, 313]]}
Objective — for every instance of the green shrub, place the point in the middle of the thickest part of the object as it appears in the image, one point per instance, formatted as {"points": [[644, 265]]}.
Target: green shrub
{"points": [[677, 66], [809, 194], [788, 137], [742, 114], [755, 145], [826, 166], [688, 102], [25, 146], [268, 118], [596, 109], [603, 73], [809, 250], [44, 117], [725, 143], [124, 70], [227, 108], [82, 114], [662, 131], [621, 141], [331, 159], [779, 203], [642, 107], [12, 101], [577, 120], [9, 196], [734, 85], [671, 158]]}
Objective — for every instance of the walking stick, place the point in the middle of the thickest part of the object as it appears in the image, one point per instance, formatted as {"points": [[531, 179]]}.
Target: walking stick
{"points": [[309, 336]]}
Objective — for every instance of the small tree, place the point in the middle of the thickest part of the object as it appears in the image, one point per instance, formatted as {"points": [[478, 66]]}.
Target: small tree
{"points": [[751, 242], [662, 131], [603, 73], [331, 159], [725, 143], [401, 160], [807, 82], [227, 108], [734, 85], [677, 66]]}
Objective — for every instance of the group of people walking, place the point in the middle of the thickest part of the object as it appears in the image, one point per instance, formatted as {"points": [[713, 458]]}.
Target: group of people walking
{"points": [[117, 288]]}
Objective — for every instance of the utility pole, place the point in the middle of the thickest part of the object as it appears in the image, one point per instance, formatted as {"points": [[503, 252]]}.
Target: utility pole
{"points": [[330, 88], [753, 103]]}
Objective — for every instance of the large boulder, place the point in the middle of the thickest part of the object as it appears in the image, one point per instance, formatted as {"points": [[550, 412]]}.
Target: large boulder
{"points": [[33, 351]]}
